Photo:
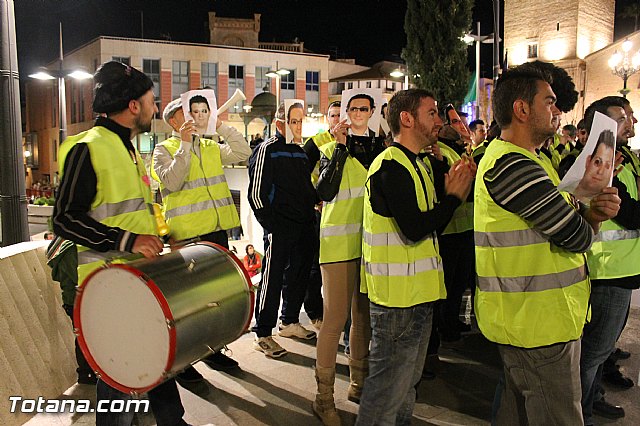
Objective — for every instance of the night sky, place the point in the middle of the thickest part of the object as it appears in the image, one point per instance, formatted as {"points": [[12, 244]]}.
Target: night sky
{"points": [[367, 30]]}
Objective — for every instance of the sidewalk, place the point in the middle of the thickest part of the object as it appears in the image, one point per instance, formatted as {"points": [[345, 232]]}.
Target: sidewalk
{"points": [[280, 392]]}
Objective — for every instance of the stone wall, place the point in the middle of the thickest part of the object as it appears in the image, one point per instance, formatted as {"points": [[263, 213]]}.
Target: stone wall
{"points": [[37, 352]]}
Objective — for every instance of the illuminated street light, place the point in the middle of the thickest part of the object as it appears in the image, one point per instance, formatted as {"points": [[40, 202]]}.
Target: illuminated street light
{"points": [[477, 38], [60, 74], [277, 74], [623, 66]]}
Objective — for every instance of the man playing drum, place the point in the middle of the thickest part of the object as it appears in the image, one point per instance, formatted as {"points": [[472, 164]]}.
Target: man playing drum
{"points": [[104, 201]]}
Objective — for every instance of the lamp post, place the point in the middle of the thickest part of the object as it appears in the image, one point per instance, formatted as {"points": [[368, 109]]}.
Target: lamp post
{"points": [[623, 66], [401, 72], [477, 38], [277, 74], [60, 73]]}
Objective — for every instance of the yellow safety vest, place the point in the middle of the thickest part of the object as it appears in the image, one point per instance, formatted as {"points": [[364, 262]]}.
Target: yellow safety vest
{"points": [[530, 292], [341, 221], [123, 197], [203, 203], [462, 219], [321, 139], [398, 272], [616, 250]]}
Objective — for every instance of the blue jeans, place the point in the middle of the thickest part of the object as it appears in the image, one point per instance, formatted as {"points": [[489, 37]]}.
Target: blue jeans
{"points": [[609, 308], [164, 400], [399, 341]]}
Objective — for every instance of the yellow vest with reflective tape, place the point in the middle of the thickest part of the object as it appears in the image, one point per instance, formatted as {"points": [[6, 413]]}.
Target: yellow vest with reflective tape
{"points": [[203, 203], [319, 140], [123, 197], [616, 250], [462, 219], [530, 292], [398, 272], [341, 221]]}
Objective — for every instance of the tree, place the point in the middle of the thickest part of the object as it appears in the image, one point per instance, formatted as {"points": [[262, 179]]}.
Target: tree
{"points": [[632, 11], [435, 53]]}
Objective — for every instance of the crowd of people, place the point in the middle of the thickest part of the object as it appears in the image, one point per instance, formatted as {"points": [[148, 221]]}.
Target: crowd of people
{"points": [[386, 232]]}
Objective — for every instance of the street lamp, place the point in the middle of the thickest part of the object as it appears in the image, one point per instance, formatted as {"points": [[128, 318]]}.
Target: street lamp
{"points": [[477, 38], [401, 72], [623, 66], [277, 74], [46, 74]]}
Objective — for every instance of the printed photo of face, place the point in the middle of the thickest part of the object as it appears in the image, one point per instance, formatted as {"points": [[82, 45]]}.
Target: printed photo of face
{"points": [[295, 115], [200, 111], [456, 122], [360, 109], [599, 167]]}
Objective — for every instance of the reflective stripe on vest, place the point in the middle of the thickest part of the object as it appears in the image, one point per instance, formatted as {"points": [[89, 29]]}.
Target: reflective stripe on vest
{"points": [[104, 211], [203, 204], [197, 183], [399, 272], [614, 247], [123, 197], [341, 220], [462, 218], [530, 292]]}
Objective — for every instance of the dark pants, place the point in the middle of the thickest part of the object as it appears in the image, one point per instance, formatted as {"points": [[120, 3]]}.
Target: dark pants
{"points": [[163, 399], [313, 298], [459, 263], [289, 251], [84, 369]]}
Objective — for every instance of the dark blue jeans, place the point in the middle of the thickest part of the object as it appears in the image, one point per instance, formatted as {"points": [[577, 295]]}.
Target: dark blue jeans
{"points": [[399, 341], [609, 308], [164, 401]]}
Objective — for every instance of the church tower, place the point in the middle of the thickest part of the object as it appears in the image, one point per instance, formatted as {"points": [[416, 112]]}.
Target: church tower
{"points": [[560, 31], [556, 30]]}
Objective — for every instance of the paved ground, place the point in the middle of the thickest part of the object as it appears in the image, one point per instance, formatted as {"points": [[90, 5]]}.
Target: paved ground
{"points": [[279, 392]]}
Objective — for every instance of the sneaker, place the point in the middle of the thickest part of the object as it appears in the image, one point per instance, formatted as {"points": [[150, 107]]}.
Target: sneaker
{"points": [[316, 323], [296, 330], [221, 362], [269, 346], [619, 354]]}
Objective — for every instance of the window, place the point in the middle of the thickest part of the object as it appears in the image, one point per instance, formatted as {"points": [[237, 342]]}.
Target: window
{"points": [[122, 59], [209, 76], [151, 67], [288, 81], [312, 93], [262, 81], [74, 103], [236, 81], [368, 85], [54, 107], [288, 86], [532, 51], [81, 97], [350, 85], [313, 81], [180, 79]]}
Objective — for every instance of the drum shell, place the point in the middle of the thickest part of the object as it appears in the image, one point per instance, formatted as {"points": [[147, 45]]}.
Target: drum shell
{"points": [[206, 298], [213, 312]]}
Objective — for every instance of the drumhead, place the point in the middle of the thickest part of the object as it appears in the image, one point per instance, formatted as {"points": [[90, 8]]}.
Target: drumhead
{"points": [[127, 337]]}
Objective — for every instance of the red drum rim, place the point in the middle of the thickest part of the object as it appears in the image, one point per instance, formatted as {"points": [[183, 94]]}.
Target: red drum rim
{"points": [[102, 375]]}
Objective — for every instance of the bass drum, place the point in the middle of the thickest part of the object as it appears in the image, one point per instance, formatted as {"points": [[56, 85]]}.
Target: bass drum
{"points": [[141, 322]]}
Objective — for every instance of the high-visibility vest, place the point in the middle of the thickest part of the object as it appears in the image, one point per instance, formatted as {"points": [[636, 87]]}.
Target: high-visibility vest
{"points": [[341, 221], [203, 203], [321, 139], [530, 292], [462, 219], [632, 158], [615, 250], [123, 197], [398, 272]]}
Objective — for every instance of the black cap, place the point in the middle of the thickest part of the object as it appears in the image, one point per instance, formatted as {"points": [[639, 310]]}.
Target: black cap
{"points": [[116, 84]]}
